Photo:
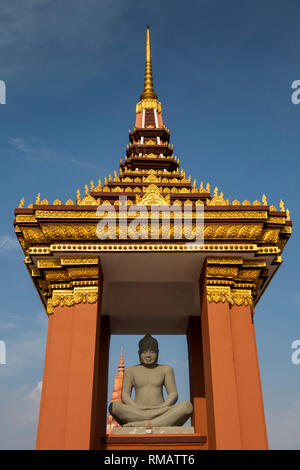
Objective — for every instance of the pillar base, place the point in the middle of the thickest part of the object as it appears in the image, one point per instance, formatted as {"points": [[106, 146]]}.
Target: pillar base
{"points": [[155, 442]]}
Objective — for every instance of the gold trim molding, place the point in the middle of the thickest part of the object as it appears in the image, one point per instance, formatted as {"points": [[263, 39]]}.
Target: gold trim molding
{"points": [[68, 298], [224, 294]]}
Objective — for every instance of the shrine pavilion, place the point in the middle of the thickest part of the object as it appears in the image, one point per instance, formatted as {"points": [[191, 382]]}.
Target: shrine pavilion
{"points": [[99, 271]]}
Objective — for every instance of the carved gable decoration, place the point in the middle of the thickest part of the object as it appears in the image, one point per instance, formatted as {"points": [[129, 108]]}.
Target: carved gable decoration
{"points": [[152, 196]]}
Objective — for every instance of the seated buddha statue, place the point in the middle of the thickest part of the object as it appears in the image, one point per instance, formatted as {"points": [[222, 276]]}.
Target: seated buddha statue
{"points": [[148, 406]]}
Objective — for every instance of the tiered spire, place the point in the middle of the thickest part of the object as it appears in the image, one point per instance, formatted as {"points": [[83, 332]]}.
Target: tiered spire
{"points": [[116, 394], [148, 92], [149, 158]]}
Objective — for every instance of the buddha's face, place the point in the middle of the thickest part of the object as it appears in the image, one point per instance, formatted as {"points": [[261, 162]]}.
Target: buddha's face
{"points": [[148, 357]]}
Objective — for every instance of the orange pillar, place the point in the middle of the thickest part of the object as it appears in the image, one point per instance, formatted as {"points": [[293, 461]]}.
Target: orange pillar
{"points": [[251, 409], [220, 381], [197, 387], [235, 413], [66, 401]]}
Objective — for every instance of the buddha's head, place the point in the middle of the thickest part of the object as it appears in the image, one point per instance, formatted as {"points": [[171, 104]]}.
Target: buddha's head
{"points": [[148, 350]]}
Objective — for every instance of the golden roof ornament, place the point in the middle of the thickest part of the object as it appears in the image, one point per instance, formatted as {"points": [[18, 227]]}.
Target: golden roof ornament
{"points": [[152, 196], [282, 209], [148, 92], [21, 203], [217, 200]]}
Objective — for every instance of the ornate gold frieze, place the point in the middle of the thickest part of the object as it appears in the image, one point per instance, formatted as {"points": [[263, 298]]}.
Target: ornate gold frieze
{"points": [[248, 274], [236, 215], [223, 260], [71, 231], [48, 263], [66, 214], [233, 231], [270, 236], [218, 294], [222, 271], [72, 297], [70, 260], [25, 218], [82, 272], [223, 294], [56, 276], [34, 235], [254, 263], [277, 220], [241, 296], [148, 104]]}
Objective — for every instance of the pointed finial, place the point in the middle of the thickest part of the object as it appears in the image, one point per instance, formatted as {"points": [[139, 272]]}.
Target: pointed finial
{"points": [[78, 199], [38, 198], [92, 185], [264, 200], [282, 209], [288, 216], [86, 190], [121, 365], [21, 203], [148, 92]]}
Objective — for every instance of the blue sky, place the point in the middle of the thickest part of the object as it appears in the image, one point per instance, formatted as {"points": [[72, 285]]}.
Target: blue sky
{"points": [[74, 72]]}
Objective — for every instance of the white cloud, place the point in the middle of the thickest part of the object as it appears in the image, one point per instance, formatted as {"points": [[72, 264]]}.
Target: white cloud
{"points": [[35, 394], [284, 429], [19, 409], [37, 149], [20, 387], [8, 242]]}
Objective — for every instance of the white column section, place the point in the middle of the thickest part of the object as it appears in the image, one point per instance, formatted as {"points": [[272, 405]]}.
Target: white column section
{"points": [[143, 125], [155, 117]]}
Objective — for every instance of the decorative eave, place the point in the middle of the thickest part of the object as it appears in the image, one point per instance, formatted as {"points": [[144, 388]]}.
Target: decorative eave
{"points": [[61, 246]]}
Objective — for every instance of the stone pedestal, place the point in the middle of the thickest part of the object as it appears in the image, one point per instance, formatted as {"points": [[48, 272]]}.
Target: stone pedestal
{"points": [[155, 430]]}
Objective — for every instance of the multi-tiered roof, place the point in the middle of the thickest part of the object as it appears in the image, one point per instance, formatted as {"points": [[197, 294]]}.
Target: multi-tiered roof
{"points": [[61, 243]]}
